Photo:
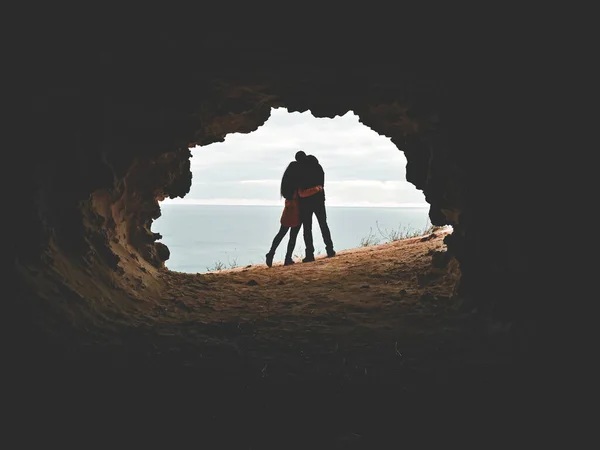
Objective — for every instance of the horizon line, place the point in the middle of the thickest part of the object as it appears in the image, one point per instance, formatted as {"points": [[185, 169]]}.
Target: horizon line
{"points": [[363, 205]]}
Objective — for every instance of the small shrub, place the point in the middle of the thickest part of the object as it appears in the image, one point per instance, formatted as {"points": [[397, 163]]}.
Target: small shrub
{"points": [[369, 239], [391, 235], [232, 262], [397, 234], [219, 265]]}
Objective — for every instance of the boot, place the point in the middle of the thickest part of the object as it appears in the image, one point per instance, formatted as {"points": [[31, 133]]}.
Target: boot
{"points": [[309, 258], [269, 260]]}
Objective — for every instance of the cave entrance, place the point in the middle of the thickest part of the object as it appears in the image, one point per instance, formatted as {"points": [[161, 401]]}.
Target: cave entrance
{"points": [[232, 212]]}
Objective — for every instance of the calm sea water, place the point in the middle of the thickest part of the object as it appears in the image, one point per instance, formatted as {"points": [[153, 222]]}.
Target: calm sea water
{"points": [[200, 236]]}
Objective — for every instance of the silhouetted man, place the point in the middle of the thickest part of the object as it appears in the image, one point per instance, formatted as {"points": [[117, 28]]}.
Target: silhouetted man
{"points": [[313, 175]]}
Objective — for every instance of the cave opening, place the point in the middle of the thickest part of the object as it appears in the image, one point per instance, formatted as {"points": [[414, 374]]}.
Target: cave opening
{"points": [[233, 209], [106, 134]]}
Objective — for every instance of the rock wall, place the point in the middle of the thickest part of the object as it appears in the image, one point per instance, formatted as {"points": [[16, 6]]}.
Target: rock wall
{"points": [[110, 116]]}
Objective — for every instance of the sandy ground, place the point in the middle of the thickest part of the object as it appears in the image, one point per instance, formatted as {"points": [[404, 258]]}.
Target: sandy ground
{"points": [[344, 352], [364, 313], [379, 314]]}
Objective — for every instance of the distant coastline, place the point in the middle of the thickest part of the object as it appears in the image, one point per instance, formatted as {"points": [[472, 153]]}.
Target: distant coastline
{"points": [[280, 205]]}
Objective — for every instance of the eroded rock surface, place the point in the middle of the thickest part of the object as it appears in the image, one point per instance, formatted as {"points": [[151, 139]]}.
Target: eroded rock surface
{"points": [[111, 117]]}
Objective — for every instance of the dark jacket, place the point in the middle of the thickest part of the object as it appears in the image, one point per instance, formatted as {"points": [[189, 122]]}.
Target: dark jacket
{"points": [[312, 173]]}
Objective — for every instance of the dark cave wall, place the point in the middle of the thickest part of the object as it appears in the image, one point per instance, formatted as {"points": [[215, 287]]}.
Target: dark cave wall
{"points": [[109, 125]]}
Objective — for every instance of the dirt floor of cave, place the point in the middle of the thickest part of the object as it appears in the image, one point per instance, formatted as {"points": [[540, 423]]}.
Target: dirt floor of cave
{"points": [[371, 314], [350, 347]]}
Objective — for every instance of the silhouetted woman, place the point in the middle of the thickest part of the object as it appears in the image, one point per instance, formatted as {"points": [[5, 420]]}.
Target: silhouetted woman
{"points": [[290, 217]]}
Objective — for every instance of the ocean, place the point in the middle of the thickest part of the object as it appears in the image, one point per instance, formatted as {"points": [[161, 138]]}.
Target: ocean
{"points": [[203, 237]]}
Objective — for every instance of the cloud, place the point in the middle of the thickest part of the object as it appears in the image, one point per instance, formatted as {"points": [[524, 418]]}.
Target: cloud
{"points": [[361, 167], [267, 182], [263, 202], [223, 201], [369, 184]]}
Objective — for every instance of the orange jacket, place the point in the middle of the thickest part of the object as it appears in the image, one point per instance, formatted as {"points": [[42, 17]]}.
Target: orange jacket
{"points": [[310, 191], [290, 217]]}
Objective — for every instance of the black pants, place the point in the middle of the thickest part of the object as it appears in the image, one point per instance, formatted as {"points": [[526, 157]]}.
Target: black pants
{"points": [[291, 244], [315, 204]]}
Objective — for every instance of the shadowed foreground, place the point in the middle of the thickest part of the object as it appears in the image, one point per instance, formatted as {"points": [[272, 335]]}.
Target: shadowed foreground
{"points": [[341, 353]]}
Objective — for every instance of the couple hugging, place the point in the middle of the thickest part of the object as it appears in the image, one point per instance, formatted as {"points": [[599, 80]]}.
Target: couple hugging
{"points": [[302, 186]]}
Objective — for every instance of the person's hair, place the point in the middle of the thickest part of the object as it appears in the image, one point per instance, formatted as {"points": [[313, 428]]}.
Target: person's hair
{"points": [[312, 159], [289, 181], [300, 155]]}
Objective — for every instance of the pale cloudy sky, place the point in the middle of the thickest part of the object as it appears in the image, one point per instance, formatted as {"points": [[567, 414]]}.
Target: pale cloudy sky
{"points": [[361, 167]]}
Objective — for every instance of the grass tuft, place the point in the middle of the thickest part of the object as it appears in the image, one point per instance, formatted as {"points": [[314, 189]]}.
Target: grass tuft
{"points": [[369, 239], [218, 265], [395, 234]]}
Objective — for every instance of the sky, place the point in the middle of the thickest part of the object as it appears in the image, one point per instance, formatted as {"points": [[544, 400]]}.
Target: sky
{"points": [[361, 167]]}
